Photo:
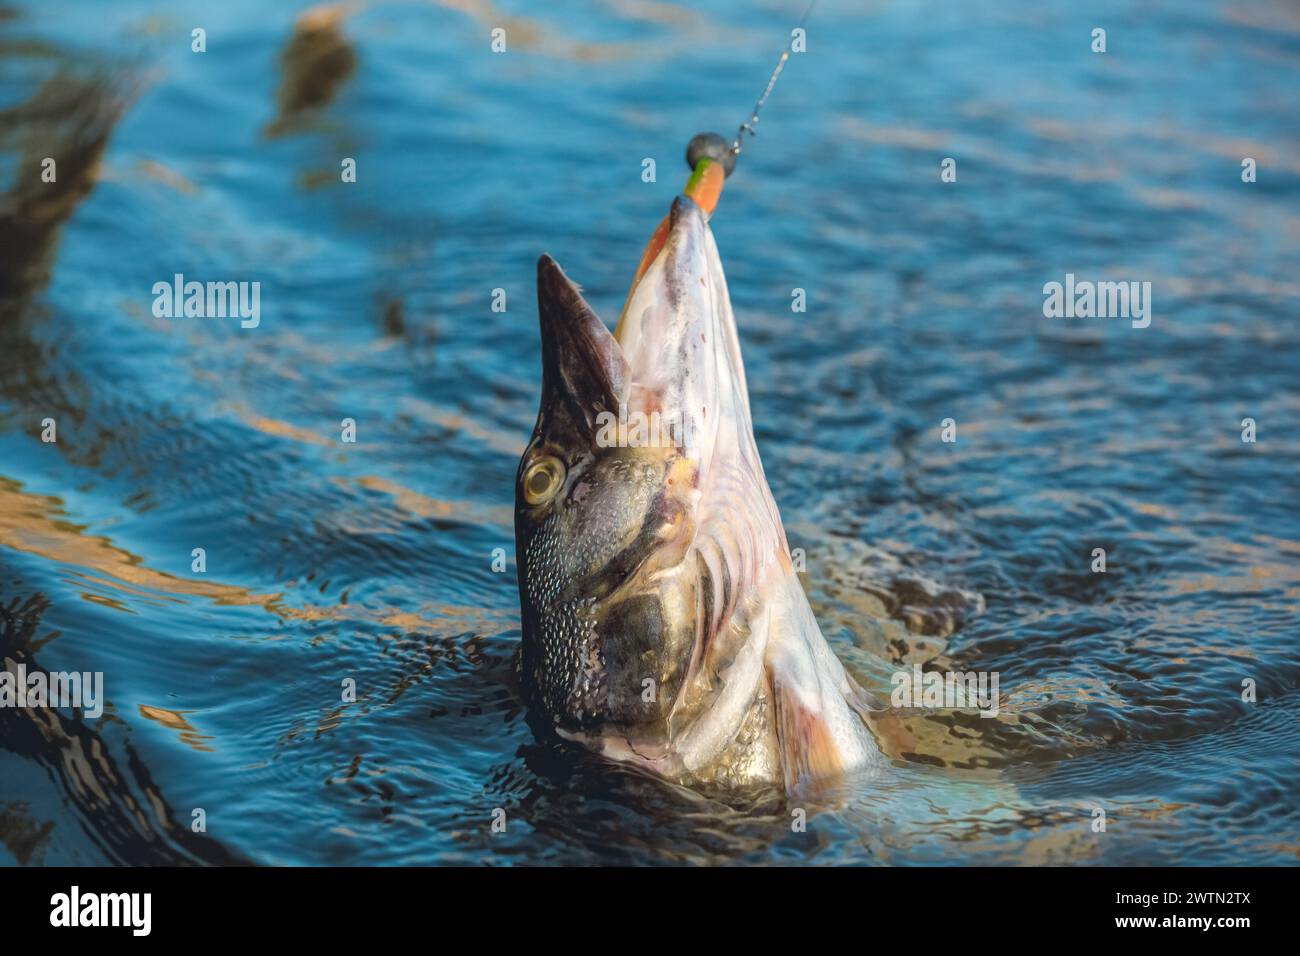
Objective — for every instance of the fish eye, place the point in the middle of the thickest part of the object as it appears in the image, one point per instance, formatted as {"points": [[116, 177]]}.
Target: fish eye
{"points": [[543, 479]]}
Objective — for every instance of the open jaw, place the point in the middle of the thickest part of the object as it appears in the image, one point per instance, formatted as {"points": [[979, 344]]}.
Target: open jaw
{"points": [[678, 335], [674, 353], [663, 622]]}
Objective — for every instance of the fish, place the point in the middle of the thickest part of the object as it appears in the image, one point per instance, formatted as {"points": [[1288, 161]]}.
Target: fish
{"points": [[316, 63], [663, 622]]}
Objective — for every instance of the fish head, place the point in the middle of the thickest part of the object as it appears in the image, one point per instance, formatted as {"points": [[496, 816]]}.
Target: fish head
{"points": [[608, 490], [663, 621]]}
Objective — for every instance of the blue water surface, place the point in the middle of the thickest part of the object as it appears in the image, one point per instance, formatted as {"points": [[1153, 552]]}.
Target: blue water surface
{"points": [[373, 562]]}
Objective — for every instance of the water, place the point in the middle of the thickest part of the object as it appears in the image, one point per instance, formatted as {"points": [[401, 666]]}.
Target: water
{"points": [[373, 561]]}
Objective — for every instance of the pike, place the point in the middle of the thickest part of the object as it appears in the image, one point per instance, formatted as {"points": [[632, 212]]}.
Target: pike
{"points": [[663, 622]]}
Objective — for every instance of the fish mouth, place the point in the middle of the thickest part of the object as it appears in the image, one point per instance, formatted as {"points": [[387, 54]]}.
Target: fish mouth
{"points": [[674, 353], [676, 281], [583, 368], [687, 225], [678, 337]]}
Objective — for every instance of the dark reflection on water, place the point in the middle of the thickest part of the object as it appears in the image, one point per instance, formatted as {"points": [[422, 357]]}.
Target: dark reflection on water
{"points": [[372, 561]]}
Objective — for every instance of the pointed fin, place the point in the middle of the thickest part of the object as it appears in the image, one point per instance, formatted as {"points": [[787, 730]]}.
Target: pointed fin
{"points": [[887, 727], [804, 739], [819, 708]]}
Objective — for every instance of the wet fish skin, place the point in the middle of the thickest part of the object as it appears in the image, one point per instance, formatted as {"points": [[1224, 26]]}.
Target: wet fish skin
{"points": [[663, 622]]}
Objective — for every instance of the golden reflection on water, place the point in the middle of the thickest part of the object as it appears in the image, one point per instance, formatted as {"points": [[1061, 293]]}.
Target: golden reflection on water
{"points": [[176, 720], [38, 525]]}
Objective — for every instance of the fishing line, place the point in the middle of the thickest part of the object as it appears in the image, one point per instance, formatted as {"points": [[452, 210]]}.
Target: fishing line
{"points": [[748, 126], [711, 160]]}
